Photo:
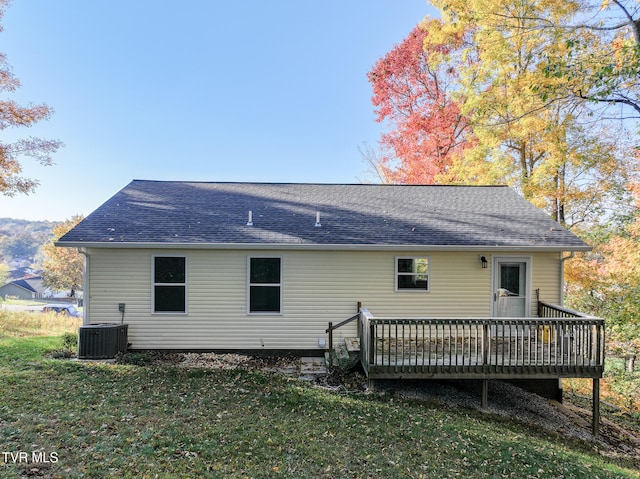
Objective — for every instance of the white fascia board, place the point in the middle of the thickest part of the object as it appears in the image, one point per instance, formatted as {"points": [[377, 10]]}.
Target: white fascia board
{"points": [[330, 247]]}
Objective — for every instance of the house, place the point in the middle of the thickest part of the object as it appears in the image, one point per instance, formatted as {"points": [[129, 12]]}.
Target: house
{"points": [[454, 281], [248, 266], [24, 288]]}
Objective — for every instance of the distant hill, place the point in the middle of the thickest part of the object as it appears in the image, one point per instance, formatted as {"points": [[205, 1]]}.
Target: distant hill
{"points": [[15, 226], [20, 240]]}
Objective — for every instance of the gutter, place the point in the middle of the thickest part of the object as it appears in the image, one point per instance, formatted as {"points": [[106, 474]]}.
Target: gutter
{"points": [[330, 247], [85, 286]]}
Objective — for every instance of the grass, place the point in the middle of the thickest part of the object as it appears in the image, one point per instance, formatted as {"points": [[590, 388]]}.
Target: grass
{"points": [[106, 420], [25, 323]]}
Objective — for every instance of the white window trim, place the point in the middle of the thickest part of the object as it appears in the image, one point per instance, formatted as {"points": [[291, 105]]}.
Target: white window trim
{"points": [[249, 284], [154, 284], [396, 274]]}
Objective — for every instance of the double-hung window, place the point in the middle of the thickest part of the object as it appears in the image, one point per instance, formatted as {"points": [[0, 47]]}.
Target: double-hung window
{"points": [[265, 285], [412, 274], [169, 284]]}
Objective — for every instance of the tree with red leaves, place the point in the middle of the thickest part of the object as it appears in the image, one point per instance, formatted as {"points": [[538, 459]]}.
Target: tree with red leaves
{"points": [[428, 128]]}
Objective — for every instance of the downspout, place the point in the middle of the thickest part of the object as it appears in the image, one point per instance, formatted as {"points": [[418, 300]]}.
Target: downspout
{"points": [[85, 287], [562, 260]]}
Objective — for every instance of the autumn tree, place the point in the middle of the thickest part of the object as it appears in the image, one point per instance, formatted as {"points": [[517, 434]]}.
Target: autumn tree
{"points": [[412, 95], [62, 267], [606, 281], [601, 65], [13, 115], [541, 148]]}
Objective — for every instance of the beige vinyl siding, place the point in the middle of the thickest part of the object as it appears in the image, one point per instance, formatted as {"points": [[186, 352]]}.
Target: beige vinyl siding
{"points": [[547, 278], [317, 287]]}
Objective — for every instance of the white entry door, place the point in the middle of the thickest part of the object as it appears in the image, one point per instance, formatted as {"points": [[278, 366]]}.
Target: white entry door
{"points": [[511, 288]]}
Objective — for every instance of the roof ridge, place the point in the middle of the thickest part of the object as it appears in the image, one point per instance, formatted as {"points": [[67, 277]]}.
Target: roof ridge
{"points": [[293, 183]]}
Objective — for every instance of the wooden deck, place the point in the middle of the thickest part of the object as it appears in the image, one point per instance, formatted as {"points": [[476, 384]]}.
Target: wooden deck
{"points": [[559, 343], [481, 348]]}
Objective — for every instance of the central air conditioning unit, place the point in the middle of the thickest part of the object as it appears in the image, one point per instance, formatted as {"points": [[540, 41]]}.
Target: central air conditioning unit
{"points": [[102, 341]]}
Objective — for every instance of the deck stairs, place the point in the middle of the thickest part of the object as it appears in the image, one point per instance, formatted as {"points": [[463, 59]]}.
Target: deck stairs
{"points": [[345, 354]]}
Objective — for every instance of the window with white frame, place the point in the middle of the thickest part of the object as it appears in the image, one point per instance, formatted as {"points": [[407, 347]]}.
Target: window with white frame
{"points": [[265, 285], [169, 284], [412, 273]]}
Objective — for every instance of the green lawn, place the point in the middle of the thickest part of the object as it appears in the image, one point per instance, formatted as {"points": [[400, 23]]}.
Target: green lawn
{"points": [[121, 421]]}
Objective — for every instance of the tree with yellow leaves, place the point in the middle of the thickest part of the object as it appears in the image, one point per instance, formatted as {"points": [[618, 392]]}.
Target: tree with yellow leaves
{"points": [[540, 146], [63, 268], [601, 64]]}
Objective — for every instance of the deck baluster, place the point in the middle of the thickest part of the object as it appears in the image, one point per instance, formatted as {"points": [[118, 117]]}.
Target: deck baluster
{"points": [[484, 348]]}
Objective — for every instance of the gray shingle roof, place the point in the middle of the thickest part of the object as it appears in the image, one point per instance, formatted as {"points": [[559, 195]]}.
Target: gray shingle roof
{"points": [[33, 285], [194, 213], [24, 285]]}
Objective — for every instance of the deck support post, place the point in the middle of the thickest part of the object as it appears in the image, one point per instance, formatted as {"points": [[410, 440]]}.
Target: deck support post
{"points": [[330, 344], [485, 394], [595, 420]]}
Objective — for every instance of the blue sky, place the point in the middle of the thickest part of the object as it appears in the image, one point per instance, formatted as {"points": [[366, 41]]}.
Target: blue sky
{"points": [[196, 90]]}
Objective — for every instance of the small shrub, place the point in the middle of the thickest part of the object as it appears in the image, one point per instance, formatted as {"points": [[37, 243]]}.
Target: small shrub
{"points": [[69, 345], [69, 341], [344, 364]]}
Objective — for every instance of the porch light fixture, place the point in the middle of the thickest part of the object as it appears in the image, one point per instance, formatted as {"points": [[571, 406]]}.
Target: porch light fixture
{"points": [[484, 262]]}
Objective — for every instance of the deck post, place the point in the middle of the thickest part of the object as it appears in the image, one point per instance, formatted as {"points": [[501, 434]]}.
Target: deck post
{"points": [[330, 344], [595, 420], [485, 394], [486, 345], [372, 344]]}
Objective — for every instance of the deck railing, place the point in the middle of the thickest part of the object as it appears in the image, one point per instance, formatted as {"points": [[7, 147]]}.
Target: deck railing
{"points": [[548, 310], [562, 346]]}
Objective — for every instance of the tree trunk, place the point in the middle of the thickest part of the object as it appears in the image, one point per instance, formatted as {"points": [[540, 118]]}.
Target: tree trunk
{"points": [[561, 193]]}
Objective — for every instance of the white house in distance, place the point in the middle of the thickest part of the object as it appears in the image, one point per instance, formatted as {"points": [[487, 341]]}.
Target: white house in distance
{"points": [[264, 267]]}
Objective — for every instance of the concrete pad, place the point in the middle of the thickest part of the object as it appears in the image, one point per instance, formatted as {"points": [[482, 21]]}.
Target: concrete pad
{"points": [[313, 365]]}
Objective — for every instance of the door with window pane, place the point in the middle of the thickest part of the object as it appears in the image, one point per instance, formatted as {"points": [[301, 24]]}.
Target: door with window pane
{"points": [[510, 288]]}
